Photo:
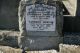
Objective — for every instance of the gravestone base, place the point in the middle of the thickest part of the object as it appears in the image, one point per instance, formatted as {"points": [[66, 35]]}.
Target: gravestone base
{"points": [[40, 43]]}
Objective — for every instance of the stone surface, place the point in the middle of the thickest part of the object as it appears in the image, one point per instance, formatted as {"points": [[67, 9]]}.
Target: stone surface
{"points": [[72, 40], [45, 51], [9, 38], [71, 34], [71, 6], [7, 49], [9, 14], [71, 24], [40, 43], [69, 48]]}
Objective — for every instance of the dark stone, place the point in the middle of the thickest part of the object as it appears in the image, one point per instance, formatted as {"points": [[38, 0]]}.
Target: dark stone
{"points": [[78, 8], [71, 24], [71, 34], [9, 41], [9, 14], [72, 40], [40, 43], [9, 38]]}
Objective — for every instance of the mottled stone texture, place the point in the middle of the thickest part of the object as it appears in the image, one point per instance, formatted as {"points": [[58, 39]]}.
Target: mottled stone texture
{"points": [[40, 43], [9, 38], [69, 48], [71, 38], [45, 51], [7, 49], [8, 14]]}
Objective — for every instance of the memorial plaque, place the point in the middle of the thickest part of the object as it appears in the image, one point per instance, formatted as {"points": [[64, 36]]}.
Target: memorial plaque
{"points": [[40, 17]]}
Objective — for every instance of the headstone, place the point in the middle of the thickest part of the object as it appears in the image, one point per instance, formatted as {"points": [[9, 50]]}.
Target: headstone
{"points": [[7, 49], [8, 14], [40, 23]]}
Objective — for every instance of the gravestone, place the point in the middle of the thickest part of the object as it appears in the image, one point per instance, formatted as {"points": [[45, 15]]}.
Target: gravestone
{"points": [[72, 23], [8, 14], [40, 24]]}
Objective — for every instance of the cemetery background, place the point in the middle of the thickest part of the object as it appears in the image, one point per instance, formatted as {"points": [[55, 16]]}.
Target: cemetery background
{"points": [[9, 24]]}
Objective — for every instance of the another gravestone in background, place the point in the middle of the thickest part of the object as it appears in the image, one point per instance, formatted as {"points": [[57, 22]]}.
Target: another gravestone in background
{"points": [[8, 14], [72, 23]]}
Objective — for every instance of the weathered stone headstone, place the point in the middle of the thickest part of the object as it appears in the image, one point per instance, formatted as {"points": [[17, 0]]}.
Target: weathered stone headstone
{"points": [[40, 24]]}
